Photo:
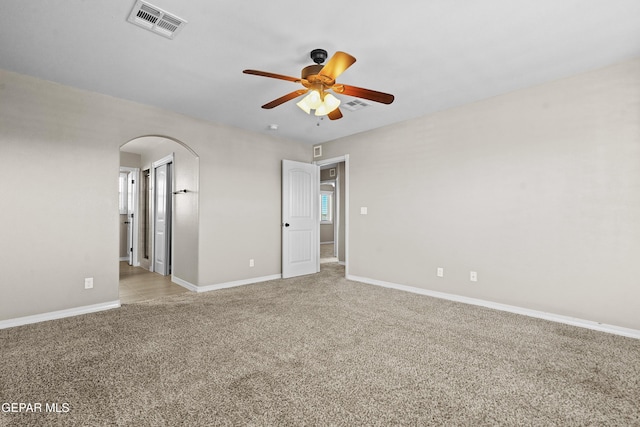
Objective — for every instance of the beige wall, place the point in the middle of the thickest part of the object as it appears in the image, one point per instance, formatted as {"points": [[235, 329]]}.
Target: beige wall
{"points": [[537, 190], [65, 142], [326, 233], [130, 160]]}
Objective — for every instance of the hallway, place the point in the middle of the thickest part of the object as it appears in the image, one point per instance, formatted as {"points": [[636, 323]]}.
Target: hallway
{"points": [[138, 284]]}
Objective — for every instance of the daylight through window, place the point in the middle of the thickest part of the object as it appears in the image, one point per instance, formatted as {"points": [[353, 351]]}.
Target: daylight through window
{"points": [[326, 207]]}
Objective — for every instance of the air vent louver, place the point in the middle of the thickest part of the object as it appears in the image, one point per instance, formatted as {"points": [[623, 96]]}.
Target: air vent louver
{"points": [[154, 19], [354, 105]]}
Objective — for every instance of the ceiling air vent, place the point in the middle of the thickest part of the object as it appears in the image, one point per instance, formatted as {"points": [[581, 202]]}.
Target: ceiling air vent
{"points": [[155, 19], [354, 105]]}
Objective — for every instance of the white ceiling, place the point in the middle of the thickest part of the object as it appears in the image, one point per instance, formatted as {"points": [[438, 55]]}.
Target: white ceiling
{"points": [[431, 54]]}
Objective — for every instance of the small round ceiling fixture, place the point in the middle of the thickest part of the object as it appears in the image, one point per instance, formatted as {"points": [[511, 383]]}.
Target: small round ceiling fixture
{"points": [[318, 55]]}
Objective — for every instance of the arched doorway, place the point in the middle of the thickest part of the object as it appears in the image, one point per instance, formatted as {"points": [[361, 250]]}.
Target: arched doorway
{"points": [[163, 224]]}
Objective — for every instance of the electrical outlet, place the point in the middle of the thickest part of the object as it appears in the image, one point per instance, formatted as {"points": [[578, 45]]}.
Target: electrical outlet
{"points": [[88, 282], [251, 263], [473, 276], [440, 272]]}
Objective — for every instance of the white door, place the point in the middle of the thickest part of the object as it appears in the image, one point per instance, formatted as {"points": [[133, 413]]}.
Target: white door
{"points": [[162, 226], [300, 218], [130, 213]]}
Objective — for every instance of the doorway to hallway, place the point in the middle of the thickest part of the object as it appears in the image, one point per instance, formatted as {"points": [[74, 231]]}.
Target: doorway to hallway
{"points": [[138, 284], [166, 225], [334, 206]]}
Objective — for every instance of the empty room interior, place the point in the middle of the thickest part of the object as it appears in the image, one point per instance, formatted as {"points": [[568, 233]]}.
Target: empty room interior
{"points": [[275, 213]]}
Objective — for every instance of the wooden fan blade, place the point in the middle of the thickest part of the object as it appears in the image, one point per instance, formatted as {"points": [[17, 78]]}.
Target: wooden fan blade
{"points": [[358, 92], [272, 75], [335, 114], [339, 62], [283, 99]]}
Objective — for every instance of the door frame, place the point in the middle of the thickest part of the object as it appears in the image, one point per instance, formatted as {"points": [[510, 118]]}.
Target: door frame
{"points": [[152, 207], [135, 173], [340, 159]]}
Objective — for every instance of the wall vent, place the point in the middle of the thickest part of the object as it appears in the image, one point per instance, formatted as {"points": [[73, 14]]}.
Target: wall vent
{"points": [[354, 105], [154, 19]]}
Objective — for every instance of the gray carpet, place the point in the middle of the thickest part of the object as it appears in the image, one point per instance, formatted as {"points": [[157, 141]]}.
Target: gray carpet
{"points": [[317, 350]]}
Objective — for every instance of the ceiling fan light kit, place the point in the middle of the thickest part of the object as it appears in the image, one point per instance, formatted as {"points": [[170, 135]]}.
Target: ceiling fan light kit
{"points": [[317, 80], [323, 103], [310, 102], [329, 104]]}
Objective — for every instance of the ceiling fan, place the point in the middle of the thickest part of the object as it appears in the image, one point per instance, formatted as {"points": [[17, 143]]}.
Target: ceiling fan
{"points": [[317, 80]]}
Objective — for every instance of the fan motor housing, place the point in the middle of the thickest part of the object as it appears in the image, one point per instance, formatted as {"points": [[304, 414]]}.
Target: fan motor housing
{"points": [[311, 70], [312, 75]]}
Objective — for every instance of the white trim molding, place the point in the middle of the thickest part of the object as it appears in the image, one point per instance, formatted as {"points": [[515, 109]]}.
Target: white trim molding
{"points": [[235, 283], [184, 284], [573, 321], [77, 311]]}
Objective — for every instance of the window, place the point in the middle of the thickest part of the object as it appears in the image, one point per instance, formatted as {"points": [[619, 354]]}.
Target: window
{"points": [[326, 207]]}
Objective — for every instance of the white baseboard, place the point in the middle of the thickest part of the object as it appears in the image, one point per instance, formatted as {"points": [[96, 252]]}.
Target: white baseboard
{"points": [[235, 283], [124, 258], [612, 329], [184, 284], [326, 243], [207, 288], [19, 321]]}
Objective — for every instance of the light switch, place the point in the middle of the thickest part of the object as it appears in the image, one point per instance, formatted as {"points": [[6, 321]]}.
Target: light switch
{"points": [[363, 210]]}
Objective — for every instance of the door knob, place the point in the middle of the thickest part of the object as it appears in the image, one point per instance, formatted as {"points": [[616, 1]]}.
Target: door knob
{"points": [[127, 222], [286, 224]]}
